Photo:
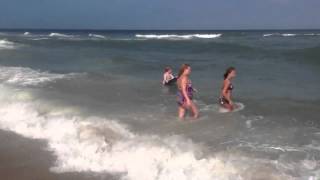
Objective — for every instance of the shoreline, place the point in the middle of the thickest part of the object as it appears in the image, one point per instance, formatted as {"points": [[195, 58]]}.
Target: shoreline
{"points": [[23, 159]]}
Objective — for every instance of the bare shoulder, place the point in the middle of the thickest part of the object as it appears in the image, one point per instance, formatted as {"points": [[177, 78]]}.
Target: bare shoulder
{"points": [[183, 79], [226, 82]]}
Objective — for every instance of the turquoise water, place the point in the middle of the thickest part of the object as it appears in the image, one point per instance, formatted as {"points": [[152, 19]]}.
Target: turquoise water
{"points": [[96, 97]]}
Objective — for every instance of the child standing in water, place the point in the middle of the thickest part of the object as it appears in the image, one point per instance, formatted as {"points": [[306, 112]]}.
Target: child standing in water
{"points": [[185, 93], [168, 77], [227, 87]]}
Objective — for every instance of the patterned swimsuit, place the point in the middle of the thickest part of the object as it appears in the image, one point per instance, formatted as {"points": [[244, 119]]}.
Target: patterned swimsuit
{"points": [[180, 98]]}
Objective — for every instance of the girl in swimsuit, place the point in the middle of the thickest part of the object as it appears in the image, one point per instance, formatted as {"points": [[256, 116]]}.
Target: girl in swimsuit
{"points": [[168, 78], [225, 98], [185, 93]]}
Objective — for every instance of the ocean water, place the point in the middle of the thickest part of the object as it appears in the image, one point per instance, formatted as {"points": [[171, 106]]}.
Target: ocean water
{"points": [[96, 98]]}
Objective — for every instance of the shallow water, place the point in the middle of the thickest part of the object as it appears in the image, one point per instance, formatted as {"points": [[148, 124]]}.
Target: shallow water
{"points": [[96, 97]]}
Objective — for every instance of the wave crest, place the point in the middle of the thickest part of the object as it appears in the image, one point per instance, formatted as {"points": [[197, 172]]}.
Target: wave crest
{"points": [[27, 76], [177, 37], [4, 44], [60, 35], [289, 34], [97, 36]]}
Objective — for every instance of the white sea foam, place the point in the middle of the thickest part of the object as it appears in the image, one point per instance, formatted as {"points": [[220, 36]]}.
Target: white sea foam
{"points": [[278, 34], [26, 33], [103, 145], [166, 36], [207, 36], [217, 108], [4, 44], [98, 144], [239, 107], [38, 39], [26, 76], [289, 35], [271, 34], [267, 35], [97, 36], [177, 37], [60, 35]]}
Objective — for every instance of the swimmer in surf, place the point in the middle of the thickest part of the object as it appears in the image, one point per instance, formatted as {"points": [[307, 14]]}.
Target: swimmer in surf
{"points": [[168, 77], [227, 87], [185, 93]]}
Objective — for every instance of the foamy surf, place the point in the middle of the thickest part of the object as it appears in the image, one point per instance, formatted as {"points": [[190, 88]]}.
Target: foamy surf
{"points": [[207, 36], [60, 35], [289, 35], [267, 35], [217, 108], [27, 76], [38, 39], [99, 144], [238, 107], [102, 145], [177, 37], [97, 36], [271, 34], [4, 44]]}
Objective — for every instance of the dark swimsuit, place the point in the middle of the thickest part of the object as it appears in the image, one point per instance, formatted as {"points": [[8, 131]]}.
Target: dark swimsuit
{"points": [[171, 82], [180, 98], [222, 99]]}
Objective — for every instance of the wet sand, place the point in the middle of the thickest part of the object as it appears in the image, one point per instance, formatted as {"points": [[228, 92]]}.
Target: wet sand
{"points": [[27, 159]]}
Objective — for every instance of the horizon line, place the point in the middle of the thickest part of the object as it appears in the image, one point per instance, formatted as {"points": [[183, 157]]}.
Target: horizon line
{"points": [[120, 29]]}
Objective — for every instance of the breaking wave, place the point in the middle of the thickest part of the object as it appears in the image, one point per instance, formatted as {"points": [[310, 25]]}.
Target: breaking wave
{"points": [[4, 44], [102, 145], [290, 34], [26, 76], [97, 36], [60, 35], [177, 37]]}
